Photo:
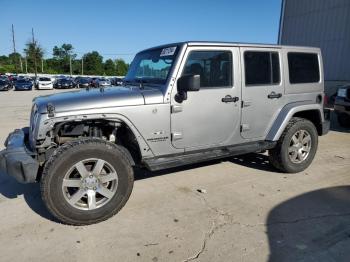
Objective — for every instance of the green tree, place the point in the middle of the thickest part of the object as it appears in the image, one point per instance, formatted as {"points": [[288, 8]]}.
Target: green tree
{"points": [[93, 63], [63, 55], [33, 51], [109, 67], [4, 60], [66, 50], [121, 67], [5, 65], [15, 60]]}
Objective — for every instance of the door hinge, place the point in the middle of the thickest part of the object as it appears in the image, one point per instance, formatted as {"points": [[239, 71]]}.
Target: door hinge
{"points": [[245, 127], [176, 136]]}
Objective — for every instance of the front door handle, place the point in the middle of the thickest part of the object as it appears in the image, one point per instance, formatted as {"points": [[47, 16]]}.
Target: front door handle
{"points": [[273, 95], [229, 99]]}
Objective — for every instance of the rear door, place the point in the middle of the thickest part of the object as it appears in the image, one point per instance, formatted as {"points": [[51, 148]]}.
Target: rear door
{"points": [[262, 90]]}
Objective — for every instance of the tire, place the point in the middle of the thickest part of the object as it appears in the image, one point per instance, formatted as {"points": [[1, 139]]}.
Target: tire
{"points": [[76, 162], [285, 156], [344, 120]]}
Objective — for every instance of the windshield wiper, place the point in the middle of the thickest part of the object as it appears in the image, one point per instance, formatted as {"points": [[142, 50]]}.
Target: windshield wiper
{"points": [[141, 82]]}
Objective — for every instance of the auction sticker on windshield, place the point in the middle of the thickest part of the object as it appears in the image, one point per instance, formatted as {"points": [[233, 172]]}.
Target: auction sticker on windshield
{"points": [[168, 51]]}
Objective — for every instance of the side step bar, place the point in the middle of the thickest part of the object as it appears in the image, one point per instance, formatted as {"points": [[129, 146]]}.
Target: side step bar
{"points": [[192, 157]]}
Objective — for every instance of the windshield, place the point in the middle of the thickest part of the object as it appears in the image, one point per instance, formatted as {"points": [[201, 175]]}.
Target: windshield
{"points": [[152, 66], [22, 81], [44, 79], [85, 80]]}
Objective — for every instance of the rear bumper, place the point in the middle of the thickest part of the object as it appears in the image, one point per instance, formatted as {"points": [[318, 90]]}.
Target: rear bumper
{"points": [[16, 160], [326, 123]]}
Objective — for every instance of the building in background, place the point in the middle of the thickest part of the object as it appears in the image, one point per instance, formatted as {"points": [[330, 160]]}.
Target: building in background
{"points": [[324, 24]]}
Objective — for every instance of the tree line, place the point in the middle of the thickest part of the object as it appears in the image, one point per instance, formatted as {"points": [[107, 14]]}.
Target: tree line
{"points": [[63, 61]]}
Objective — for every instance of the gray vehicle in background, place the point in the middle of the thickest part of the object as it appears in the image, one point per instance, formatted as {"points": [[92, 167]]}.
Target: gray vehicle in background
{"points": [[180, 103]]}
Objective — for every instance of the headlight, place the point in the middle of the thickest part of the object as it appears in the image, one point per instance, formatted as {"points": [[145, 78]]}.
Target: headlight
{"points": [[342, 92]]}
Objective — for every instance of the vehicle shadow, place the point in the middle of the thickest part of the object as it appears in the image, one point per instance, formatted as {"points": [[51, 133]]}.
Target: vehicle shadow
{"points": [[314, 226], [11, 189], [255, 161]]}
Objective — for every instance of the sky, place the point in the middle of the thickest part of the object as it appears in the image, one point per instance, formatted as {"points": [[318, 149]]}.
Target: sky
{"points": [[119, 29]]}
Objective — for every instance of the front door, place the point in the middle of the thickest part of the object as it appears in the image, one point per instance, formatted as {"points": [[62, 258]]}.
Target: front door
{"points": [[262, 90], [209, 117]]}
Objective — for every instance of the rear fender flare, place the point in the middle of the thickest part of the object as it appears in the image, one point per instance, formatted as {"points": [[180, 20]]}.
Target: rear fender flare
{"points": [[287, 113]]}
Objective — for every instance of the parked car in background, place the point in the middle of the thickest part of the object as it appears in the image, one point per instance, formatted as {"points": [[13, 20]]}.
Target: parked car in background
{"points": [[94, 81], [64, 83], [342, 105], [83, 82], [101, 82], [23, 84], [5, 84], [44, 83], [116, 81]]}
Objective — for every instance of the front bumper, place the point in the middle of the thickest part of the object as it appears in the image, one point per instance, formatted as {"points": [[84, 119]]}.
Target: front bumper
{"points": [[16, 160]]}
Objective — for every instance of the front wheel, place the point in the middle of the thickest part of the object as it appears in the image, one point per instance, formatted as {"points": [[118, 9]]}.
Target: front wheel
{"points": [[86, 181], [296, 147]]}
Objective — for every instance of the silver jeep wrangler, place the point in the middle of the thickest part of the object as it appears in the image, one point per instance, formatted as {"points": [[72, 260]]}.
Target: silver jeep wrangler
{"points": [[180, 103]]}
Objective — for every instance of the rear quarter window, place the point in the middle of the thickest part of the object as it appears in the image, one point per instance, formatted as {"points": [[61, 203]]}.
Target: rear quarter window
{"points": [[303, 68]]}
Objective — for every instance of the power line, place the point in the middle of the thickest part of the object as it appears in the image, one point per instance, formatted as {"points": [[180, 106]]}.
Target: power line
{"points": [[114, 54]]}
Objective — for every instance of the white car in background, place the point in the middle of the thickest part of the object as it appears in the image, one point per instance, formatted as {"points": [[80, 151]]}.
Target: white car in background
{"points": [[101, 82], [44, 83]]}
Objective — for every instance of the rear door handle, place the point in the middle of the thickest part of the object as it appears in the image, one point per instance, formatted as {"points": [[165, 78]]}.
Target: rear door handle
{"points": [[273, 95], [229, 99]]}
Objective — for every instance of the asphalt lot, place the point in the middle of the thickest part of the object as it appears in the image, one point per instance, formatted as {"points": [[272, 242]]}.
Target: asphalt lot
{"points": [[248, 211]]}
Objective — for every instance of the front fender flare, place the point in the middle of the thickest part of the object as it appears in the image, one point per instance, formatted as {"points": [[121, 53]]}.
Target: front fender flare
{"points": [[49, 123]]}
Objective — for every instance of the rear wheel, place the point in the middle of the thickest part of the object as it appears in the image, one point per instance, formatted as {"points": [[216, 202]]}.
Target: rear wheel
{"points": [[296, 147], [86, 181]]}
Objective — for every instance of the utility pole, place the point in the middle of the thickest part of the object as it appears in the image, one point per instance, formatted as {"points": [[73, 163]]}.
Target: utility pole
{"points": [[42, 65], [20, 61], [82, 65], [70, 64], [14, 47], [34, 46]]}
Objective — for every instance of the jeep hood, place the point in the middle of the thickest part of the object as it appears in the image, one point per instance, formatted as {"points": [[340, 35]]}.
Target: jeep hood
{"points": [[83, 99]]}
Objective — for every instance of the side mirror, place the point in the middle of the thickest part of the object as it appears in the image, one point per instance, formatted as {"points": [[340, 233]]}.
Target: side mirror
{"points": [[185, 84]]}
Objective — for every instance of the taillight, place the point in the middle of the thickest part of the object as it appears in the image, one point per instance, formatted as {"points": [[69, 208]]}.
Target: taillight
{"points": [[325, 100]]}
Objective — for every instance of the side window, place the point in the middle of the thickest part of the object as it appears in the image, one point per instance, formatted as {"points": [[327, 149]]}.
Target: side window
{"points": [[214, 67], [261, 68], [303, 68]]}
